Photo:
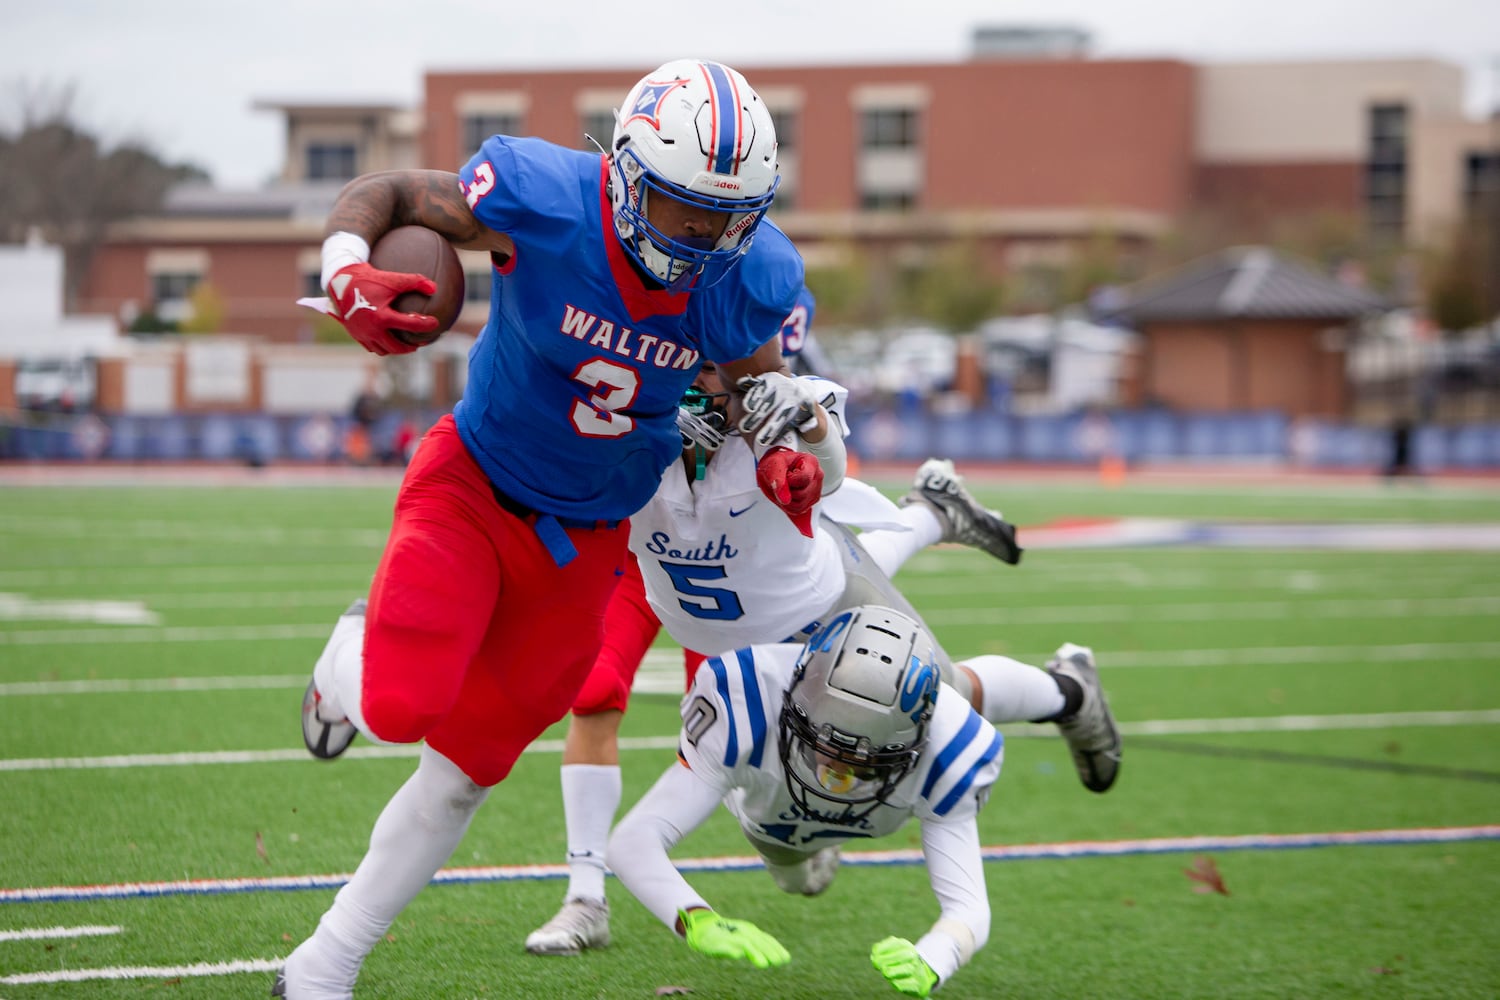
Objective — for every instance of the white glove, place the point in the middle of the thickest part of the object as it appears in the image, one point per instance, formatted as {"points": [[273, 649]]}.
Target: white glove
{"points": [[776, 405]]}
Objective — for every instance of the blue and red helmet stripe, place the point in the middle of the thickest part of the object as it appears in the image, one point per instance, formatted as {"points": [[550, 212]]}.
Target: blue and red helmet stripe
{"points": [[727, 144]]}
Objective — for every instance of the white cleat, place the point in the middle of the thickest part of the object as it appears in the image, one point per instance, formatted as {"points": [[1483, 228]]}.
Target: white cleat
{"points": [[327, 738], [1093, 738], [305, 976], [964, 520], [580, 924]]}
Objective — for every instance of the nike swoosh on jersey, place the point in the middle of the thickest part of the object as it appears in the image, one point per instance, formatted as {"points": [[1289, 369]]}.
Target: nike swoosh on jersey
{"points": [[737, 513]]}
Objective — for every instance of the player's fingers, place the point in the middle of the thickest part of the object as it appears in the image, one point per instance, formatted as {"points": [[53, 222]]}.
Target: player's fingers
{"points": [[413, 322], [413, 283]]}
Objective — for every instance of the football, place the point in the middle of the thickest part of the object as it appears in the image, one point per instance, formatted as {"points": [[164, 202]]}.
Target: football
{"points": [[418, 250]]}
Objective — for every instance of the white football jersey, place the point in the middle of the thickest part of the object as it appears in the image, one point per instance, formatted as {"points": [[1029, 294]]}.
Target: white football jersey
{"points": [[730, 721], [724, 566]]}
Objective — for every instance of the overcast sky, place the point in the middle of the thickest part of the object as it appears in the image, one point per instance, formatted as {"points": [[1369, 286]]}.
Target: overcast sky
{"points": [[183, 74]]}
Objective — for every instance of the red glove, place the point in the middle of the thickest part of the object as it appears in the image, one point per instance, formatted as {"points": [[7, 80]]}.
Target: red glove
{"points": [[362, 297], [794, 482]]}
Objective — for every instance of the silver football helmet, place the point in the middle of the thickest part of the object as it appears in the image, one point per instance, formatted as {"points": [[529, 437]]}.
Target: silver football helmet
{"points": [[854, 721]]}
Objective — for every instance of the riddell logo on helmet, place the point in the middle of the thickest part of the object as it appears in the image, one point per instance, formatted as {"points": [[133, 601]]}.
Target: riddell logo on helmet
{"points": [[726, 185], [738, 227]]}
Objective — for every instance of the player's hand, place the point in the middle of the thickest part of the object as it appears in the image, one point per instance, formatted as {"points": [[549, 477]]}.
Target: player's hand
{"points": [[776, 405], [361, 298], [793, 480], [897, 960], [720, 937]]}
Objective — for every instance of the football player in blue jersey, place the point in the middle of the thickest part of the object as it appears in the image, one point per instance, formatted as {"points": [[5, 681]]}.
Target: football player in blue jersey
{"points": [[615, 277], [843, 739]]}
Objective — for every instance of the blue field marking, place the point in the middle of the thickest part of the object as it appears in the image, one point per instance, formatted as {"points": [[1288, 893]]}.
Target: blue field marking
{"points": [[1019, 852]]}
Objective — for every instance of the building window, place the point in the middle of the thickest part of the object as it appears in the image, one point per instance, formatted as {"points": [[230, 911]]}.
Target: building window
{"points": [[1385, 170], [888, 128], [889, 170], [331, 161], [170, 292], [312, 284], [786, 130], [479, 127], [887, 201], [1481, 179]]}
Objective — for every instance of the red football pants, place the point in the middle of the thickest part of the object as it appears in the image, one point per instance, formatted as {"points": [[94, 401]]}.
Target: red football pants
{"points": [[474, 638], [630, 626]]}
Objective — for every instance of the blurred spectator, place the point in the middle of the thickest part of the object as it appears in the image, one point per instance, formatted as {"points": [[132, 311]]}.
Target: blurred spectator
{"points": [[1400, 461]]}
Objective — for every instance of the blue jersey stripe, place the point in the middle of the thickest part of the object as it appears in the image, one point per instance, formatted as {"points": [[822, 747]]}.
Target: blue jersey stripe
{"points": [[950, 753], [721, 679], [725, 161], [962, 788], [754, 706]]}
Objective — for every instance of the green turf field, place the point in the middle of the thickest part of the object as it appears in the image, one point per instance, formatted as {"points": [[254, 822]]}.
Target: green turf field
{"points": [[154, 643]]}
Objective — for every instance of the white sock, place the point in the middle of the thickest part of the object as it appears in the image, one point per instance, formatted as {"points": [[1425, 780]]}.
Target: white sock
{"points": [[1015, 691], [417, 831], [591, 796], [890, 549]]}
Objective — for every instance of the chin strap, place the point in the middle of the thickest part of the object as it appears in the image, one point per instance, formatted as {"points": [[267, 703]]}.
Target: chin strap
{"points": [[700, 460]]}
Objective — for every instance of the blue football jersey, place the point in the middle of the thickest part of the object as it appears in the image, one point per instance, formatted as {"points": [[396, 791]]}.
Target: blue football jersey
{"points": [[573, 386]]}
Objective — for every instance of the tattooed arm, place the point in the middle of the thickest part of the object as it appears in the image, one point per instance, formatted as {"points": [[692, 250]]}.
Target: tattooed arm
{"points": [[360, 296], [372, 205]]}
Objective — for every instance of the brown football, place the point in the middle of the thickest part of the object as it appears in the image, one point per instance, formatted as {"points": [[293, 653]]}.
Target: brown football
{"points": [[418, 250]]}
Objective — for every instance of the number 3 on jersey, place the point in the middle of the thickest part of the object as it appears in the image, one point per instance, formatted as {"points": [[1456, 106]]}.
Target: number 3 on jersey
{"points": [[612, 387]]}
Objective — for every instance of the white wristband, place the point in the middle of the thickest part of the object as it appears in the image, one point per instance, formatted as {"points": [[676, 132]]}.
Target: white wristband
{"points": [[339, 251]]}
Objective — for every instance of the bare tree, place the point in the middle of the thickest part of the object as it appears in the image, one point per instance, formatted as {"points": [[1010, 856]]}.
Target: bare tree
{"points": [[59, 180]]}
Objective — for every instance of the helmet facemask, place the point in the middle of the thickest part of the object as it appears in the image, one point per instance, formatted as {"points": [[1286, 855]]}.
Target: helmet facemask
{"points": [[703, 421], [829, 771], [854, 721]]}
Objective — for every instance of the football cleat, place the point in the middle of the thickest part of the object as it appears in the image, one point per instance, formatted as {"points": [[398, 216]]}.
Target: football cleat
{"points": [[1093, 738], [580, 924], [964, 521], [328, 738], [303, 976]]}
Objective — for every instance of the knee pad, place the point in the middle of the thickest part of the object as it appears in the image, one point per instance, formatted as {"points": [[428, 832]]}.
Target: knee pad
{"points": [[446, 790], [788, 878]]}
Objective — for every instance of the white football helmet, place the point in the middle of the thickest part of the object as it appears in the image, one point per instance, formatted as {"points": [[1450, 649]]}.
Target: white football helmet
{"points": [[697, 132], [854, 721]]}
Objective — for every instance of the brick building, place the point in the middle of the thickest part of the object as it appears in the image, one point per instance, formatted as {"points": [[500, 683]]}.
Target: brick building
{"points": [[1027, 158]]}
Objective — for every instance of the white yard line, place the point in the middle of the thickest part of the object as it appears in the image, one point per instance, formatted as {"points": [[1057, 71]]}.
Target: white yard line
{"points": [[1157, 727], [71, 528], [144, 573], [24, 607], [170, 634], [233, 968], [1104, 578], [46, 933], [1447, 607], [661, 672], [155, 685], [1071, 614]]}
